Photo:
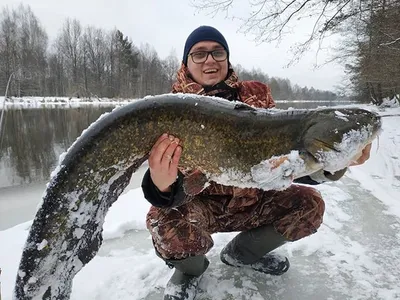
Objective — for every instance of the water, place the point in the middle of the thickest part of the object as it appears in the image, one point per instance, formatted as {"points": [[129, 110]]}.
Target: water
{"points": [[31, 142], [33, 139]]}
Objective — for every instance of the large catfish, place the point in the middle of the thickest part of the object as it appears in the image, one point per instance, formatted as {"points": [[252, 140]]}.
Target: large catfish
{"points": [[228, 142]]}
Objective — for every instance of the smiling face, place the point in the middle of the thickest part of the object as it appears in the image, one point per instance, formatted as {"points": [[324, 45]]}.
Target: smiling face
{"points": [[209, 72]]}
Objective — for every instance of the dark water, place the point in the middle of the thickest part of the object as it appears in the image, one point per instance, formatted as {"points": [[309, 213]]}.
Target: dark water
{"points": [[33, 138]]}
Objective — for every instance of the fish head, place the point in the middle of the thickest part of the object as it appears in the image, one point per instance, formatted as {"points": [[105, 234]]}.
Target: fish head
{"points": [[336, 137]]}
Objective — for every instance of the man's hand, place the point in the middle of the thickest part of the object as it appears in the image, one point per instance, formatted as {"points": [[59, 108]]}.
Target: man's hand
{"points": [[364, 156], [163, 162]]}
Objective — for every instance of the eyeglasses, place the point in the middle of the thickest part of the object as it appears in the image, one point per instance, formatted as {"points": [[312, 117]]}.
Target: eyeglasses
{"points": [[218, 55]]}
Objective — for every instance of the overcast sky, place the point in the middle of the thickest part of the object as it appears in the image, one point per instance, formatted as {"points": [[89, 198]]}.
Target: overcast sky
{"points": [[165, 24]]}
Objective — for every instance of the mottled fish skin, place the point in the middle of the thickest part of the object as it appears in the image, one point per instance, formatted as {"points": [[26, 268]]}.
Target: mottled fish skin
{"points": [[67, 230]]}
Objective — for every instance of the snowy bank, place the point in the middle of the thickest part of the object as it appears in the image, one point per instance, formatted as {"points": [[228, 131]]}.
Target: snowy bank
{"points": [[61, 102]]}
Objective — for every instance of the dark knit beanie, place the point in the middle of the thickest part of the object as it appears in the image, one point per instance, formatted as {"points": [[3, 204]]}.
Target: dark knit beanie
{"points": [[200, 34]]}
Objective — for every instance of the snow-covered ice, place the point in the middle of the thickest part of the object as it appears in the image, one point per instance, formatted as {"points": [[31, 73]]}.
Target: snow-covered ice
{"points": [[354, 255]]}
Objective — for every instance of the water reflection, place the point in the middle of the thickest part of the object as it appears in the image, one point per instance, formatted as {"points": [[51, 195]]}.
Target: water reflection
{"points": [[33, 138]]}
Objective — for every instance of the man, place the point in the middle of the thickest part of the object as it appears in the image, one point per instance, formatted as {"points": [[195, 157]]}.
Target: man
{"points": [[181, 225]]}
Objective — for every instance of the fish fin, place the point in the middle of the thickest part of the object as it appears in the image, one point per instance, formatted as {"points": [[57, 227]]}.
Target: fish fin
{"points": [[194, 183]]}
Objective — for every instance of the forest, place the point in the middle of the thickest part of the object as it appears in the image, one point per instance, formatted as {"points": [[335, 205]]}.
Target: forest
{"points": [[92, 62]]}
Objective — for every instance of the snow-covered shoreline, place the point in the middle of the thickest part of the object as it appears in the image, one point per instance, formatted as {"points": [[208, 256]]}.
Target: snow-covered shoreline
{"points": [[39, 102], [34, 102]]}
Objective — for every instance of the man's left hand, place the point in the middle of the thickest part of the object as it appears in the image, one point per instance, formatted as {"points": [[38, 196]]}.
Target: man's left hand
{"points": [[364, 156]]}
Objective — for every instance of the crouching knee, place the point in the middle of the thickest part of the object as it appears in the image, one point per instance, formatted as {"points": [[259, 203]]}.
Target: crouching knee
{"points": [[306, 218], [174, 237]]}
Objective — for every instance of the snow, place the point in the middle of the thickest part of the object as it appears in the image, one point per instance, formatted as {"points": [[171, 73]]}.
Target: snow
{"points": [[278, 178], [42, 245], [67, 102], [341, 115], [354, 254], [350, 147]]}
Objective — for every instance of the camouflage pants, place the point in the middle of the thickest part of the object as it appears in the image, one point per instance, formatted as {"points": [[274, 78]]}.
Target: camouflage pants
{"points": [[186, 230]]}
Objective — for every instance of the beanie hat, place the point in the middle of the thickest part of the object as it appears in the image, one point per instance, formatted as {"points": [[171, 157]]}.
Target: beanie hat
{"points": [[200, 34]]}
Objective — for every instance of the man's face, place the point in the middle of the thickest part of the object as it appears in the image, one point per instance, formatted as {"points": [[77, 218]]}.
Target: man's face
{"points": [[210, 72]]}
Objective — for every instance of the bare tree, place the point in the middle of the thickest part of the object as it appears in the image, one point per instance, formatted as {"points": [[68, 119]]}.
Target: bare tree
{"points": [[374, 50], [95, 57], [270, 20], [8, 47], [69, 45], [23, 45], [171, 66], [56, 76], [32, 44], [152, 78]]}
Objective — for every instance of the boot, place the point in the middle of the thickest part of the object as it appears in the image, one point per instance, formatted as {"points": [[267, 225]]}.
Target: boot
{"points": [[184, 281], [251, 249]]}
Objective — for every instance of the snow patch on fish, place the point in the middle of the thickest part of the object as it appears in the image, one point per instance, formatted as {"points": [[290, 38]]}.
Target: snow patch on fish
{"points": [[341, 116], [270, 176], [42, 245], [350, 147], [267, 175]]}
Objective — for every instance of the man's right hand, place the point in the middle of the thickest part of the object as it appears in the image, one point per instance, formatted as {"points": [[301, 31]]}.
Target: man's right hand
{"points": [[163, 162]]}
